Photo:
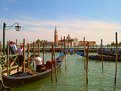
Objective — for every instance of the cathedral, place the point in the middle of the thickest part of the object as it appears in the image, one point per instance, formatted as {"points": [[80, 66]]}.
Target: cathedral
{"points": [[69, 41]]}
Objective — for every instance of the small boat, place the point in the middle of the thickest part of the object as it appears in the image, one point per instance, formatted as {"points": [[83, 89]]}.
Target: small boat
{"points": [[80, 53], [20, 78]]}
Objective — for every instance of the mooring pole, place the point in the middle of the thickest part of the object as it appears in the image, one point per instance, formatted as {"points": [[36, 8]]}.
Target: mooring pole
{"points": [[52, 62], [28, 55], [53, 51], [65, 50], [43, 52], [102, 52], [84, 51], [0, 47], [87, 57], [8, 60], [33, 53], [24, 55], [38, 48], [116, 58]]}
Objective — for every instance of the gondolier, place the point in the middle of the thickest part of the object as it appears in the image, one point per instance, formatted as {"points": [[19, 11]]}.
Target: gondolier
{"points": [[38, 61]]}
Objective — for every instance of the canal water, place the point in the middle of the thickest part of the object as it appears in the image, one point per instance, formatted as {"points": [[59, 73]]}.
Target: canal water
{"points": [[73, 77]]}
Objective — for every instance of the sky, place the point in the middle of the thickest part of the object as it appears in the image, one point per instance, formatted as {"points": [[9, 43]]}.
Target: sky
{"points": [[92, 19]]}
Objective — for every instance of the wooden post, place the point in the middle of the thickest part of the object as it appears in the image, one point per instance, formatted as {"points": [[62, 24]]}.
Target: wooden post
{"points": [[116, 58], [84, 52], [87, 57], [102, 53], [0, 47], [55, 63], [23, 55], [53, 50], [43, 52], [38, 48], [65, 50], [33, 52], [61, 44], [52, 63], [18, 55], [8, 60], [34, 49], [68, 45], [28, 55]]}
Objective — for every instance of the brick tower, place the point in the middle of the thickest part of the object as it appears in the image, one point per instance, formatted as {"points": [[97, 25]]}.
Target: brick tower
{"points": [[55, 37]]}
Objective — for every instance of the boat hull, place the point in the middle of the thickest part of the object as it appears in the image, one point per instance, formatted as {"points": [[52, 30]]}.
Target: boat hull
{"points": [[12, 81]]}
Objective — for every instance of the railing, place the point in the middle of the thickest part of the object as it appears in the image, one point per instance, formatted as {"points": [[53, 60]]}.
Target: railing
{"points": [[8, 62]]}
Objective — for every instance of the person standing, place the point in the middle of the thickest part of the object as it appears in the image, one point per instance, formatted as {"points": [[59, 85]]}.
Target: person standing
{"points": [[20, 55], [38, 61], [14, 47]]}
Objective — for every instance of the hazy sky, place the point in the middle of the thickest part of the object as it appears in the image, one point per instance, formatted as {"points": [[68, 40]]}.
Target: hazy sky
{"points": [[93, 19]]}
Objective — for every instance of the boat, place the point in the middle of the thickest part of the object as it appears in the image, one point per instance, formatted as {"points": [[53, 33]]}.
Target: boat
{"points": [[99, 57], [105, 58], [109, 51], [20, 78]]}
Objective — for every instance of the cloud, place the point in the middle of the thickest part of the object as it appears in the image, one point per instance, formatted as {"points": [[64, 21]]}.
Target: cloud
{"points": [[93, 30]]}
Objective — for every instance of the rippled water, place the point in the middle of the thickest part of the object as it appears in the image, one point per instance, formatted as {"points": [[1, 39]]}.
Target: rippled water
{"points": [[73, 77]]}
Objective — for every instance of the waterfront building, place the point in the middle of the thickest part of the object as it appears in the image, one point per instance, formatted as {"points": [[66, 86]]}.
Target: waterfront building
{"points": [[91, 43]]}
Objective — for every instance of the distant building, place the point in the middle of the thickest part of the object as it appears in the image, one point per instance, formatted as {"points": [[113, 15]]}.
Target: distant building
{"points": [[91, 43], [68, 41]]}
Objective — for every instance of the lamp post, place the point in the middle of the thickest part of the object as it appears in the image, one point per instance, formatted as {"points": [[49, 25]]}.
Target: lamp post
{"points": [[5, 27]]}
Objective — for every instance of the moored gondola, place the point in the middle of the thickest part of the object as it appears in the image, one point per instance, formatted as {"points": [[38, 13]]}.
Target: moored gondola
{"points": [[19, 78], [99, 57]]}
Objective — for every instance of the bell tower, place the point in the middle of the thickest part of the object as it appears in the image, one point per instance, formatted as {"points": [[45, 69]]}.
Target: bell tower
{"points": [[55, 37]]}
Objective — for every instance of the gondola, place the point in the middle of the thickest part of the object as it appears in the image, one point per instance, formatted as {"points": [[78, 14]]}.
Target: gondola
{"points": [[99, 57], [105, 58], [110, 51], [20, 78]]}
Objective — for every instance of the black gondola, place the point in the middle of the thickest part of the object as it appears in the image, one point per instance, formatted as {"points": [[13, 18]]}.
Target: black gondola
{"points": [[20, 78], [99, 57]]}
